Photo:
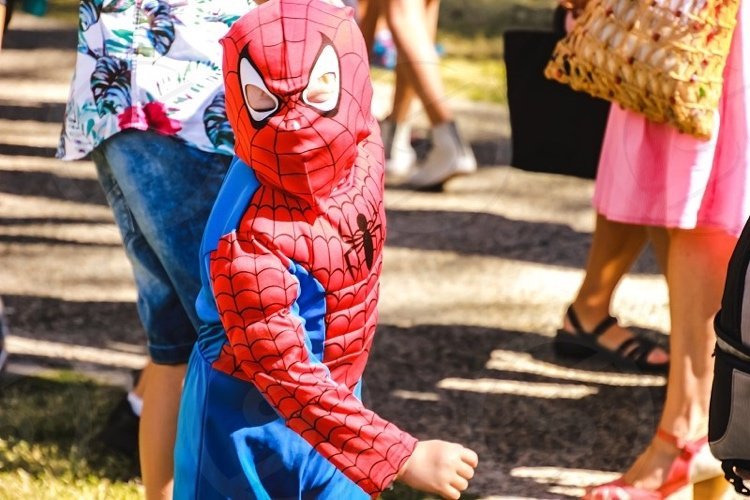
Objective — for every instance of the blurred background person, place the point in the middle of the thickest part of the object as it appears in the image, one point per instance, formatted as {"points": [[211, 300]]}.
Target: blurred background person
{"points": [[413, 25]]}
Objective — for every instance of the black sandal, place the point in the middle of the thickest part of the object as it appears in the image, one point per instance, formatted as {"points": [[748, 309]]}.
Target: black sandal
{"points": [[582, 344]]}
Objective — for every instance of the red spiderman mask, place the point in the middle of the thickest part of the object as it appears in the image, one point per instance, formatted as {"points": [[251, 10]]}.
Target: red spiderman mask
{"points": [[298, 94]]}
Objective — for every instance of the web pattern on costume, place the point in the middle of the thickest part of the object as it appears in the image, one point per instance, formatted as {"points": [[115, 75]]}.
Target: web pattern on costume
{"points": [[321, 209]]}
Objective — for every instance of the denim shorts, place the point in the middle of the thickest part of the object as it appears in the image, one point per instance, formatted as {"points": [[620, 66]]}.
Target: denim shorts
{"points": [[161, 191]]}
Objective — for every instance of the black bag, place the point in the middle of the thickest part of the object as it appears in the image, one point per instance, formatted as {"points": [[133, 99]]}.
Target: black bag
{"points": [[729, 416], [554, 129]]}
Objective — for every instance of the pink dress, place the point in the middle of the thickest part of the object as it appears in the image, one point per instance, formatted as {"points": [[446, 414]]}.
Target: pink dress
{"points": [[653, 175]]}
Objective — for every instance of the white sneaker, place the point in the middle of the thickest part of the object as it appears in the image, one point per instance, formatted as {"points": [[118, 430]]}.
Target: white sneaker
{"points": [[449, 157], [400, 157]]}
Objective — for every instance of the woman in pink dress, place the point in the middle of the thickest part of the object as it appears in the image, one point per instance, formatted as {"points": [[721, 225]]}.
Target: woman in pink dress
{"points": [[652, 175]]}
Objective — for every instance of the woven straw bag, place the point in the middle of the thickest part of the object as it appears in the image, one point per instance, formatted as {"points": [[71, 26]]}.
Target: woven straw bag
{"points": [[662, 58]]}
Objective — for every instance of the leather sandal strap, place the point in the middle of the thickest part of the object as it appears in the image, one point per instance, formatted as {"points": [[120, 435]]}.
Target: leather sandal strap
{"points": [[604, 325], [573, 318], [598, 330], [636, 348], [690, 447]]}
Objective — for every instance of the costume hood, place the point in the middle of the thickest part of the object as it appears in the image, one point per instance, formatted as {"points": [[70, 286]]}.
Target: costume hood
{"points": [[280, 50]]}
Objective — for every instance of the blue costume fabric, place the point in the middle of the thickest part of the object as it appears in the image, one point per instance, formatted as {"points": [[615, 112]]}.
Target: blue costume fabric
{"points": [[291, 260]]}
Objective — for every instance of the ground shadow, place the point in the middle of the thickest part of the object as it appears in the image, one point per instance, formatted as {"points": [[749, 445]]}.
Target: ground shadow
{"points": [[49, 185], [91, 324], [34, 221], [491, 235], [602, 431], [26, 39], [21, 150], [47, 112], [42, 240]]}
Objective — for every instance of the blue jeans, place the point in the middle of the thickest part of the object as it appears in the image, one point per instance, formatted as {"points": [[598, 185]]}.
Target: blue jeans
{"points": [[161, 191]]}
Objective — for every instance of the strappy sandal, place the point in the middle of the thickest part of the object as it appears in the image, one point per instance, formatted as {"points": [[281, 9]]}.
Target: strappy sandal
{"points": [[582, 344], [693, 469]]}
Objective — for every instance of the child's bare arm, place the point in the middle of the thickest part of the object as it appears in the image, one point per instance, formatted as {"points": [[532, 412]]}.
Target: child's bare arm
{"points": [[439, 467]]}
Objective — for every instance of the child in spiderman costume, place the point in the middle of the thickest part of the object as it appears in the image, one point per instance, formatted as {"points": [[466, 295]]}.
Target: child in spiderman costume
{"points": [[291, 260]]}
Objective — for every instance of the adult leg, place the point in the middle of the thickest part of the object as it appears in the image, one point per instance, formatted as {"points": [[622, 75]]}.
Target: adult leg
{"points": [[413, 25], [614, 248], [696, 272], [369, 13], [410, 22], [396, 128]]}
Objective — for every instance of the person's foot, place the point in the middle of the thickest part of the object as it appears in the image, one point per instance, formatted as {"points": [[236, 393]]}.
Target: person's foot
{"points": [[588, 332], [400, 157], [614, 337], [668, 465], [449, 157]]}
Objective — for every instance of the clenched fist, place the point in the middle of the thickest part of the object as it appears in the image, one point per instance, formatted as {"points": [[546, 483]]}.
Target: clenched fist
{"points": [[439, 467]]}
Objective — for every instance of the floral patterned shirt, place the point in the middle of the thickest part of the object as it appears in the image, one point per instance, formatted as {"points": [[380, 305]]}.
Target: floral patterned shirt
{"points": [[150, 65]]}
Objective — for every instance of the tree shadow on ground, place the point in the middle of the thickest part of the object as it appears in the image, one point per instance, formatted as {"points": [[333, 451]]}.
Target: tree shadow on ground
{"points": [[507, 426], [42, 240], [48, 185], [21, 150], [27, 39], [91, 324], [491, 235], [47, 112]]}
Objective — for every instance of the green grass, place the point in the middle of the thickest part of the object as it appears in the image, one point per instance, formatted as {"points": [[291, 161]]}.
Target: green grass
{"points": [[48, 447], [476, 80]]}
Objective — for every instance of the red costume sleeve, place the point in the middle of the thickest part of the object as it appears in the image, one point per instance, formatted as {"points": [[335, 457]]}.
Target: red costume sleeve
{"points": [[255, 294]]}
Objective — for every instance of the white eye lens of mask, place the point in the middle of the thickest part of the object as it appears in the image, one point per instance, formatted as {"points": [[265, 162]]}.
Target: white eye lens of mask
{"points": [[323, 91], [259, 100]]}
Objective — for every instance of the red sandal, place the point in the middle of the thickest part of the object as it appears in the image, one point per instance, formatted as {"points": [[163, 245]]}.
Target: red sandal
{"points": [[694, 467]]}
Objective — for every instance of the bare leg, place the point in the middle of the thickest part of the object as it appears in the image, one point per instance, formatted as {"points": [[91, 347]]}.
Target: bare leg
{"points": [[158, 428], [369, 11], [405, 90], [696, 273], [614, 248], [660, 241], [412, 25]]}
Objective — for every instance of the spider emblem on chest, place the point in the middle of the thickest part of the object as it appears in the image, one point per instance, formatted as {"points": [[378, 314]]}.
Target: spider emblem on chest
{"points": [[363, 239]]}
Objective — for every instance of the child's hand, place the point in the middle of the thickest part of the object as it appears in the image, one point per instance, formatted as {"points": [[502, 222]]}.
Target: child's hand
{"points": [[439, 467]]}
